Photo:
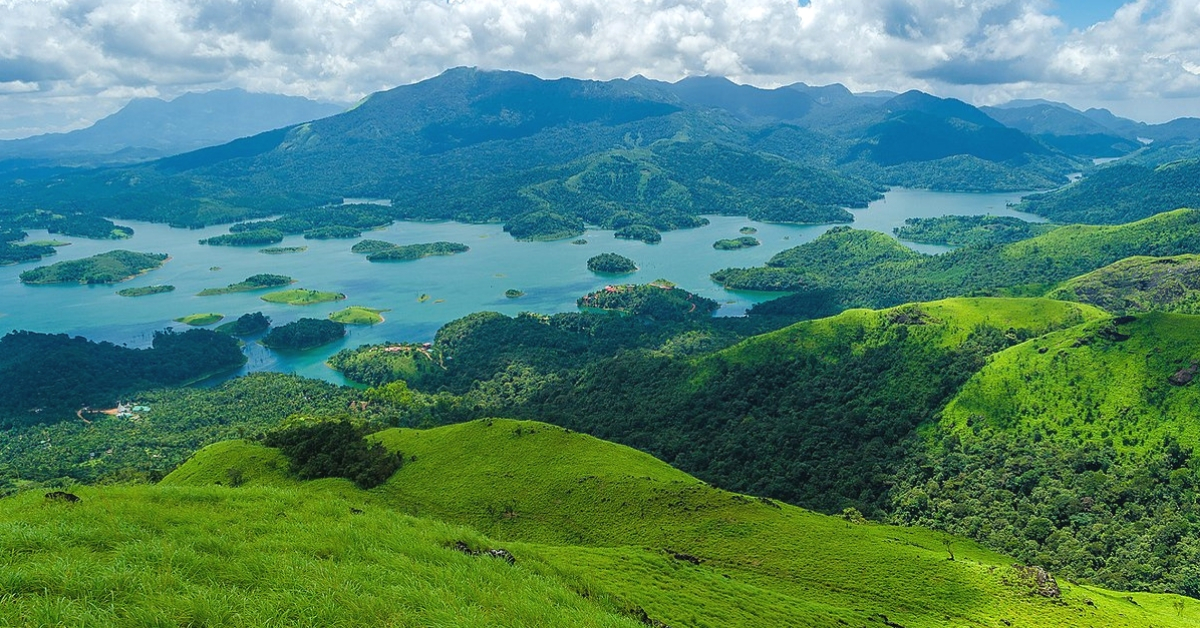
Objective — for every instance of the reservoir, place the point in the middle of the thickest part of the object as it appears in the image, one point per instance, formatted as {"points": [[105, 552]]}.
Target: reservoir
{"points": [[421, 295]]}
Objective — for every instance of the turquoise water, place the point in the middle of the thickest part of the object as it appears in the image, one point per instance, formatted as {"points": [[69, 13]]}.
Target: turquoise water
{"points": [[552, 275]]}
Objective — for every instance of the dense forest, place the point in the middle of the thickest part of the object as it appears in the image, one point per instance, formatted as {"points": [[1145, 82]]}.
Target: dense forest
{"points": [[969, 230], [47, 377], [1120, 193], [611, 263], [304, 333]]}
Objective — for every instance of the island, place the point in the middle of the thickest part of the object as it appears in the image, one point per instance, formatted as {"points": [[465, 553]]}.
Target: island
{"points": [[579, 241], [283, 250], [367, 247], [660, 300], [513, 293], [302, 296], [408, 252], [104, 268], [305, 333], [200, 320], [142, 291], [358, 315], [332, 232], [645, 233], [254, 282], [544, 225], [11, 253], [969, 230], [734, 244], [256, 237], [611, 263], [246, 325], [747, 231]]}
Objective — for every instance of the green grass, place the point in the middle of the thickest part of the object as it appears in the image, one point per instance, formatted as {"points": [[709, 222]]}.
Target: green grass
{"points": [[200, 320], [142, 291], [358, 315], [608, 522], [302, 296], [1084, 384], [1139, 284]]}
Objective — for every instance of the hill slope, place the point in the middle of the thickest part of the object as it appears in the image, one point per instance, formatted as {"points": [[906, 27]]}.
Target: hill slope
{"points": [[1076, 450], [1120, 193], [620, 527], [1139, 284]]}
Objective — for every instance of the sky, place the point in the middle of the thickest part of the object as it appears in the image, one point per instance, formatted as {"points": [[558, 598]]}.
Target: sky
{"points": [[66, 63]]}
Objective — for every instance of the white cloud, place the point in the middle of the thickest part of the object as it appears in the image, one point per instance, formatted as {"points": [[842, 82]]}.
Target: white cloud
{"points": [[106, 50]]}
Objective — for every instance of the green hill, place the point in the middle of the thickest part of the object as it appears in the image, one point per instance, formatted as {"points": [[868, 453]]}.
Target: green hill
{"points": [[850, 268], [1075, 450], [1139, 284], [623, 533], [1122, 192]]}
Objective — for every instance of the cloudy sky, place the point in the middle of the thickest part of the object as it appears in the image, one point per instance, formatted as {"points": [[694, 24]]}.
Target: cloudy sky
{"points": [[65, 63]]}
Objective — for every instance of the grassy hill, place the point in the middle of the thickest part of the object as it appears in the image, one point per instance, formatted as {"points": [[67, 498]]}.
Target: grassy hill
{"points": [[604, 533], [1075, 450], [1139, 284]]}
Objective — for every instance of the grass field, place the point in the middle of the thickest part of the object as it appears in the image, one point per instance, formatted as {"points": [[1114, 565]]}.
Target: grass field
{"points": [[358, 315], [200, 320]]}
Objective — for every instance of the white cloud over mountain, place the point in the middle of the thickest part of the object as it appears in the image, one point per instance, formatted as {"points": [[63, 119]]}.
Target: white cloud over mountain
{"points": [[77, 59]]}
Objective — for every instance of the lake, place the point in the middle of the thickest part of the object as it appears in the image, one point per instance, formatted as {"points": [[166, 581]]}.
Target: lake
{"points": [[422, 295]]}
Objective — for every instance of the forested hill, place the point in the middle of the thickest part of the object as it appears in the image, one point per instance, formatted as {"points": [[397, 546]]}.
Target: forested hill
{"points": [[470, 137], [1122, 192]]}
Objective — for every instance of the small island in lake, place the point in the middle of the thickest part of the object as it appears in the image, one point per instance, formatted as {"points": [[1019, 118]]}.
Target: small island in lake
{"points": [[256, 237], [283, 250], [734, 244], [358, 315], [408, 252], [645, 233], [104, 268], [246, 325], [660, 300], [747, 231], [969, 230], [367, 247], [142, 291], [254, 282], [513, 293], [579, 241], [305, 333], [544, 225], [611, 263], [332, 232], [200, 320], [302, 296]]}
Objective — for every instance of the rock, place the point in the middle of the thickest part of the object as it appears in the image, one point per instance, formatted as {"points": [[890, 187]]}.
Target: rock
{"points": [[1184, 376], [1042, 582], [685, 557], [60, 496]]}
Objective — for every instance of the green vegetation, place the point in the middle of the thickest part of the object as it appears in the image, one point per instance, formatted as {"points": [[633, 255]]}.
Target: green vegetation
{"points": [[181, 420], [19, 253], [200, 320], [358, 315], [335, 449], [367, 247], [1139, 284], [302, 296], [655, 300], [734, 244], [513, 293], [303, 334], [258, 237], [1075, 450], [103, 268], [619, 531], [46, 378], [747, 231], [846, 268], [379, 365], [611, 263], [253, 282], [142, 291], [1122, 192], [54, 243], [544, 225], [407, 252], [645, 233], [283, 250], [579, 241], [246, 325], [333, 233], [73, 224], [969, 230]]}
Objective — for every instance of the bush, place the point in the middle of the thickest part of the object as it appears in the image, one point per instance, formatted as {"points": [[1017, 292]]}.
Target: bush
{"points": [[335, 449]]}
